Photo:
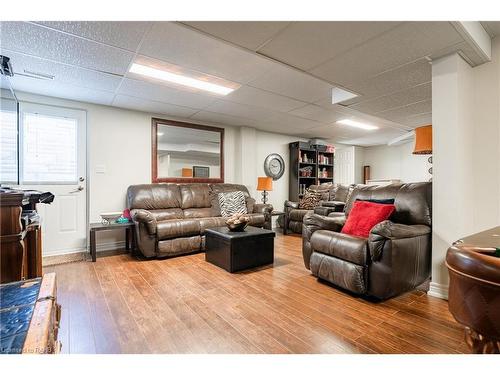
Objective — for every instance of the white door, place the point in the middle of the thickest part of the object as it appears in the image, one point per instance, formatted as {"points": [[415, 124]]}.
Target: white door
{"points": [[344, 165], [52, 152]]}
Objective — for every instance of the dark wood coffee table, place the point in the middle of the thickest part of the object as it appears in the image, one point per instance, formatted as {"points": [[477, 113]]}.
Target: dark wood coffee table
{"points": [[237, 251]]}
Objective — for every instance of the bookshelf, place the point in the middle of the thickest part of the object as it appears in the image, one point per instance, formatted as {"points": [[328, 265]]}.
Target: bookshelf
{"points": [[313, 158]]}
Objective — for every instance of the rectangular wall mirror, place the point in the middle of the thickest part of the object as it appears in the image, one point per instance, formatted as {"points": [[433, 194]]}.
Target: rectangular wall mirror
{"points": [[184, 152]]}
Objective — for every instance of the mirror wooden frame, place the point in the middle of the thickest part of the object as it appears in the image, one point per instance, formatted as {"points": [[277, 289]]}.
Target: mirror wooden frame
{"points": [[154, 152]]}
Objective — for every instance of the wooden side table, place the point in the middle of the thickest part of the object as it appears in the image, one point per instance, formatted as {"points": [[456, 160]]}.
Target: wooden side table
{"points": [[97, 227], [279, 213]]}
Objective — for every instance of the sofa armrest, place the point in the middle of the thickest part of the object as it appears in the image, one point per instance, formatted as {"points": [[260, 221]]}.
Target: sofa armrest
{"points": [[260, 208], [390, 231], [290, 204], [313, 222], [145, 217]]}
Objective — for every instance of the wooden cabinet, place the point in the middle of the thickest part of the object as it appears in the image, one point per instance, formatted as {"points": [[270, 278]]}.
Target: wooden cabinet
{"points": [[20, 235], [309, 165]]}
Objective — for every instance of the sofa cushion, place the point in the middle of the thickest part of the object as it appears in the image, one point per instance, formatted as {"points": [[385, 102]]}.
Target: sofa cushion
{"points": [[211, 222], [167, 214], [232, 203], [177, 228], [310, 199], [364, 216], [195, 196], [192, 213], [342, 246], [153, 196], [256, 220], [215, 189]]}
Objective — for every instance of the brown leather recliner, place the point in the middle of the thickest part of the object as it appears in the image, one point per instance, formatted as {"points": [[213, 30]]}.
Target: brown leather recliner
{"points": [[474, 291], [394, 259], [170, 219], [333, 200]]}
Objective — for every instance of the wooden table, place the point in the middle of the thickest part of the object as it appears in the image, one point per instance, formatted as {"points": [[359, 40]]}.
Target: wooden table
{"points": [[237, 251], [30, 316], [97, 227]]}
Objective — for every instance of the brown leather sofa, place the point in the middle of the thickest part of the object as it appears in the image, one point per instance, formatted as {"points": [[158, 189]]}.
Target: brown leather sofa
{"points": [[170, 219], [394, 259], [333, 200], [474, 291]]}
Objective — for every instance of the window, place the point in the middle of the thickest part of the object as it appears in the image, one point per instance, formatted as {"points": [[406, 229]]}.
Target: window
{"points": [[49, 149], [8, 141]]}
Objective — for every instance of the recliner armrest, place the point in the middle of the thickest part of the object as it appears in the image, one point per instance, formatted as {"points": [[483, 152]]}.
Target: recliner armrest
{"points": [[315, 222], [390, 231], [145, 217], [291, 204]]}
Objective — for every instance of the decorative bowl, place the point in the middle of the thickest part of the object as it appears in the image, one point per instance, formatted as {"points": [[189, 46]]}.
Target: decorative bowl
{"points": [[110, 217], [237, 227], [237, 222]]}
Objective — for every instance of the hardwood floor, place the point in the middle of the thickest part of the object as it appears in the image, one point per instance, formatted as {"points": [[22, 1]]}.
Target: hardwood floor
{"points": [[186, 305]]}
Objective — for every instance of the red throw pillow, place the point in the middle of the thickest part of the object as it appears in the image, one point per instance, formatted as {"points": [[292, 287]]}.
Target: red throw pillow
{"points": [[364, 216]]}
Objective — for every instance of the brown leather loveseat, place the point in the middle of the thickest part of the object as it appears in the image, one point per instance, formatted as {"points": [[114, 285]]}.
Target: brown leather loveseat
{"points": [[395, 258], [170, 219]]}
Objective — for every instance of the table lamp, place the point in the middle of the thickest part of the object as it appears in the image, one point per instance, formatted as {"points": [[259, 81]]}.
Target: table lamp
{"points": [[264, 184]]}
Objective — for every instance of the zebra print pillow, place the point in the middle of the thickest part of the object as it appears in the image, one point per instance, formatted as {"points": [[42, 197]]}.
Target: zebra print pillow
{"points": [[232, 203]]}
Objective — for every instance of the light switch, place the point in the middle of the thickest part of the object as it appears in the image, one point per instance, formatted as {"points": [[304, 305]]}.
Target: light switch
{"points": [[100, 169]]}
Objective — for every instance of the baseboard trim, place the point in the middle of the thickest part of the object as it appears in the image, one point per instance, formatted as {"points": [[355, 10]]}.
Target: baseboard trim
{"points": [[438, 290], [80, 254]]}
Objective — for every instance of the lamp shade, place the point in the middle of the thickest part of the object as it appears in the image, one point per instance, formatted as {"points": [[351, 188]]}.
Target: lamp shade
{"points": [[423, 140], [264, 183]]}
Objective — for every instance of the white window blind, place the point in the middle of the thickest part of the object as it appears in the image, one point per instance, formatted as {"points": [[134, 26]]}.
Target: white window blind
{"points": [[49, 149], [8, 142]]}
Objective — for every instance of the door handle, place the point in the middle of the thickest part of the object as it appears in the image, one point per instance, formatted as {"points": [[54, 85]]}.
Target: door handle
{"points": [[78, 189]]}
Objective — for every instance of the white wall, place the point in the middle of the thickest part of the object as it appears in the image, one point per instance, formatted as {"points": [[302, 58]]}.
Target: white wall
{"points": [[120, 141], [397, 162], [466, 125]]}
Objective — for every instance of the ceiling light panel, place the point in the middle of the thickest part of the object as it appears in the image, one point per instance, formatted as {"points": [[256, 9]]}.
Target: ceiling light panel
{"points": [[357, 124], [158, 71]]}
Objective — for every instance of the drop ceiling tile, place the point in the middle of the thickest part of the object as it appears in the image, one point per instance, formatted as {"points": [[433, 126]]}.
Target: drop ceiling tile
{"points": [[164, 94], [129, 102], [417, 120], [61, 90], [180, 45], [260, 98], [247, 34], [219, 118], [325, 131], [49, 44], [317, 113], [381, 137], [68, 74], [400, 114], [398, 99], [403, 44], [292, 83], [125, 35], [239, 110], [286, 119], [308, 44]]}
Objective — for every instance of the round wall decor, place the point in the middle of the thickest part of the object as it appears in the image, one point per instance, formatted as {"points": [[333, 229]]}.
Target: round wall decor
{"points": [[274, 166]]}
